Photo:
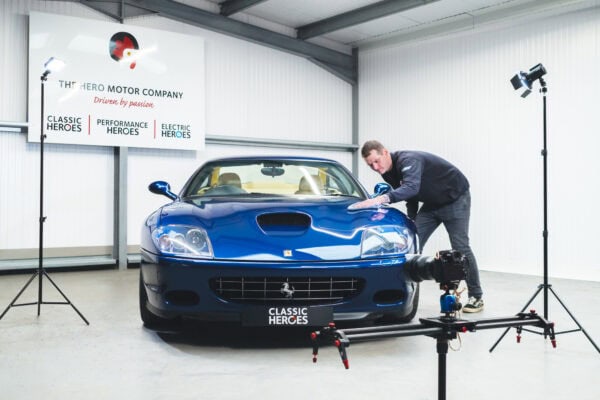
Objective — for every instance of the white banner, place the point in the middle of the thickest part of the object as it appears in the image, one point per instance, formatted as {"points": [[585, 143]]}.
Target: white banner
{"points": [[121, 85]]}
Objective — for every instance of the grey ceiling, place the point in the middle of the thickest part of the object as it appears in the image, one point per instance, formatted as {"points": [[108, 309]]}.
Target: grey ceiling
{"points": [[351, 22], [327, 32]]}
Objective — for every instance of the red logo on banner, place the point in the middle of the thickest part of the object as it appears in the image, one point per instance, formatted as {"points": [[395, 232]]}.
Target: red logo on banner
{"points": [[123, 46]]}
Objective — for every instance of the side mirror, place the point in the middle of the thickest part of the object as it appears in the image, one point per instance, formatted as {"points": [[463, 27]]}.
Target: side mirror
{"points": [[161, 187], [381, 188]]}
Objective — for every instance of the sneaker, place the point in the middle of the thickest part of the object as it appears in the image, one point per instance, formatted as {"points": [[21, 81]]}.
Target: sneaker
{"points": [[473, 305]]}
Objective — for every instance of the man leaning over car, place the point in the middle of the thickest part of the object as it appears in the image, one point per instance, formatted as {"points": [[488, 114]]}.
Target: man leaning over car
{"points": [[418, 176]]}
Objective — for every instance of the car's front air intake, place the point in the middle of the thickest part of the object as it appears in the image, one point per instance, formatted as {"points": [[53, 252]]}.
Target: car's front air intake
{"points": [[284, 223]]}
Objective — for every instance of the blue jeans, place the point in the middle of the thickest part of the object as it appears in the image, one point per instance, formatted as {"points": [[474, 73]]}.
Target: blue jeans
{"points": [[455, 217]]}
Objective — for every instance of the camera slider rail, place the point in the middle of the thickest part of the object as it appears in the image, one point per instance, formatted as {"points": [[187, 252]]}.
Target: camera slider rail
{"points": [[443, 329]]}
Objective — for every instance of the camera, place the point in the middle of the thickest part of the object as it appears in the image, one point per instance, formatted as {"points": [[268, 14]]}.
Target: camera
{"points": [[447, 268]]}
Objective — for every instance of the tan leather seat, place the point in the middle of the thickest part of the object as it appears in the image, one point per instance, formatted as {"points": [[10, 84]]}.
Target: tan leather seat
{"points": [[310, 185], [230, 178]]}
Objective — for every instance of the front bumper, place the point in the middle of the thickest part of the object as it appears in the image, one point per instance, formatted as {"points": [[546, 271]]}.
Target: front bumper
{"points": [[178, 287]]}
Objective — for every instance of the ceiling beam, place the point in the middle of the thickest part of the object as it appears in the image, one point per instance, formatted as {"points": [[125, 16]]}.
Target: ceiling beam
{"points": [[344, 64], [117, 9], [358, 16], [230, 7]]}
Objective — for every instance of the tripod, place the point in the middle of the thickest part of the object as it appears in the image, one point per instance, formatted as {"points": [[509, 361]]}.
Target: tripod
{"points": [[545, 287], [41, 272], [443, 329]]}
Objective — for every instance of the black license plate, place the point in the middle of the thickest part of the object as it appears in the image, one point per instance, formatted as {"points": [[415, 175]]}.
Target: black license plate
{"points": [[288, 316]]}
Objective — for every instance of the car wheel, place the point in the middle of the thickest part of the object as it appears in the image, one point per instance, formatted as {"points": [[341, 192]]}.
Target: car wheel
{"points": [[396, 318], [149, 319]]}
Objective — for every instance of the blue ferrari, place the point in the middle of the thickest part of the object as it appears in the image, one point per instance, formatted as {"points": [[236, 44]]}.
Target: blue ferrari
{"points": [[272, 241]]}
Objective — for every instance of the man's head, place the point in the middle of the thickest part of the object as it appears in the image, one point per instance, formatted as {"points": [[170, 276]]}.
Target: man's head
{"points": [[376, 156]]}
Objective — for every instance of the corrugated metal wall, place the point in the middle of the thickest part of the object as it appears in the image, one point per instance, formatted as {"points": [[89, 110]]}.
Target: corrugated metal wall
{"points": [[452, 96], [251, 92]]}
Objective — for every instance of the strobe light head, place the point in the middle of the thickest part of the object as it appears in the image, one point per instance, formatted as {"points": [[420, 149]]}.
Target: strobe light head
{"points": [[524, 80], [52, 65]]}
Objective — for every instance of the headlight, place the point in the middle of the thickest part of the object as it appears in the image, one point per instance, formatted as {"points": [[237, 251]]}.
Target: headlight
{"points": [[387, 240], [181, 240]]}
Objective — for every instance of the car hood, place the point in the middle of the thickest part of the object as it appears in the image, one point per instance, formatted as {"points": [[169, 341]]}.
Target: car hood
{"points": [[276, 230]]}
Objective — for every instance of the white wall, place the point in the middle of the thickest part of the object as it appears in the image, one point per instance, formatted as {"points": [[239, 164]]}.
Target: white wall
{"points": [[251, 91], [452, 96], [78, 180]]}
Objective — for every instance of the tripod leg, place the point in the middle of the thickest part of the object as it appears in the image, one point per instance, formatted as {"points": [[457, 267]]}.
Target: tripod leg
{"points": [[539, 289], [65, 297], [40, 296], [574, 319], [442, 349], [19, 294]]}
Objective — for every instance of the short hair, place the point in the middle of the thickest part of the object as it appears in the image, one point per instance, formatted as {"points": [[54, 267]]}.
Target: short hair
{"points": [[371, 145]]}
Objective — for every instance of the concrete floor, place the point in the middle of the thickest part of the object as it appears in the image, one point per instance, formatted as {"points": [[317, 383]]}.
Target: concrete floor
{"points": [[57, 356]]}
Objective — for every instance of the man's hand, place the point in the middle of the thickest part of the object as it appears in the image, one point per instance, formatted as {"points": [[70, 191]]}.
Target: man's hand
{"points": [[374, 202]]}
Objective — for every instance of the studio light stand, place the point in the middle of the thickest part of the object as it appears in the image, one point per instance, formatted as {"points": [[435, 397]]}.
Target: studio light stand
{"points": [[524, 81], [51, 65]]}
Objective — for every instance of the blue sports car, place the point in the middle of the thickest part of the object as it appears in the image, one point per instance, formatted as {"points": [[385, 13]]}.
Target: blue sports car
{"points": [[271, 241]]}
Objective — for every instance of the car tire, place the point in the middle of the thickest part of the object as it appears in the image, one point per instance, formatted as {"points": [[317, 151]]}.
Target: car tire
{"points": [[149, 319], [398, 318]]}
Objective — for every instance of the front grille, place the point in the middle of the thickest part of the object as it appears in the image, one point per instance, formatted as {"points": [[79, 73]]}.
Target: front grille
{"points": [[302, 290]]}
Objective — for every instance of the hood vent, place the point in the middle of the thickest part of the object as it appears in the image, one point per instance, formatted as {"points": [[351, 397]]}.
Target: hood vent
{"points": [[284, 224]]}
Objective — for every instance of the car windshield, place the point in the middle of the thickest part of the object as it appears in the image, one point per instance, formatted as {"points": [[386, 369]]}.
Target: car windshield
{"points": [[261, 178]]}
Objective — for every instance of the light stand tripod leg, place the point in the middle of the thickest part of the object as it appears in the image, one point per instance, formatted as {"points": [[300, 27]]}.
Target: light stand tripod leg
{"points": [[12, 303], [574, 320], [39, 302], [539, 289], [40, 274], [65, 297]]}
